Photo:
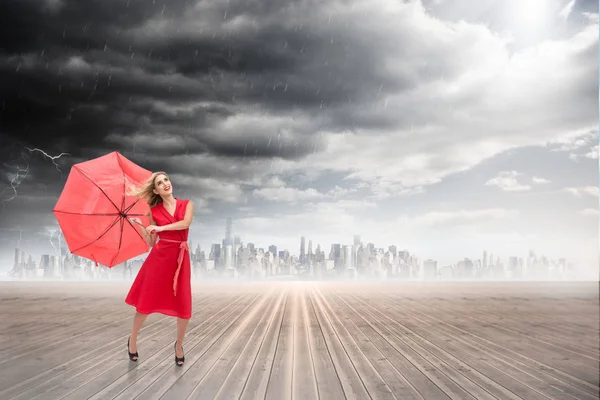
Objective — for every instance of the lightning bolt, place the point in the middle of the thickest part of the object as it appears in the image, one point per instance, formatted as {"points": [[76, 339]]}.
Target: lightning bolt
{"points": [[23, 172], [51, 242], [16, 180], [52, 158]]}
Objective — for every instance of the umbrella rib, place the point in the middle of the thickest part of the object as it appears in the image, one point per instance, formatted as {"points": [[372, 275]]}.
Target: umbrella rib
{"points": [[130, 207], [136, 231], [124, 182], [120, 242], [99, 237], [142, 215], [99, 188], [98, 215]]}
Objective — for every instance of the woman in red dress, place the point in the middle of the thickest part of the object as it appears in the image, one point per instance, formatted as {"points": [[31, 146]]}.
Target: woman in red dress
{"points": [[163, 284]]}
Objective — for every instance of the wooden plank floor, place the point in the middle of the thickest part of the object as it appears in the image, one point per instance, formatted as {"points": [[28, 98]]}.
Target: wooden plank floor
{"points": [[306, 341]]}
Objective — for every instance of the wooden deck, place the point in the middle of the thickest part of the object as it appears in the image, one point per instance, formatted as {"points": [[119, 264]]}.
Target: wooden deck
{"points": [[306, 341]]}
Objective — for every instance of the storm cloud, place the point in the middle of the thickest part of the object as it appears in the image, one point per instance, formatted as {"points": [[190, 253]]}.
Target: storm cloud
{"points": [[336, 101]]}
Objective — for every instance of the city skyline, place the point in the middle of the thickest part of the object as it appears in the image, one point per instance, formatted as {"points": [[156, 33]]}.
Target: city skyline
{"points": [[234, 260], [225, 252], [446, 128]]}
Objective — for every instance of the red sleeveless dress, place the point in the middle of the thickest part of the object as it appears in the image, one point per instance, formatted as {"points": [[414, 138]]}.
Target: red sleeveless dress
{"points": [[163, 284]]}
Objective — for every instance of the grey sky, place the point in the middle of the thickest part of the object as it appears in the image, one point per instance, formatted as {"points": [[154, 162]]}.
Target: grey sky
{"points": [[431, 125]]}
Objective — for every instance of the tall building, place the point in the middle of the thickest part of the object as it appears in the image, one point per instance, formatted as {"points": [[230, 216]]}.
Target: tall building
{"points": [[513, 265], [469, 268], [273, 250], [44, 264], [336, 254], [347, 257], [464, 269], [362, 259], [562, 265], [429, 269], [228, 264], [403, 255], [520, 269], [498, 268], [197, 253], [355, 247], [393, 250], [237, 243], [215, 254], [245, 256], [302, 249], [228, 231]]}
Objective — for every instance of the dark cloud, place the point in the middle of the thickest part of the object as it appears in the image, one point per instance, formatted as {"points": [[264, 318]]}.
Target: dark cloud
{"points": [[68, 79], [222, 94], [70, 25], [80, 72]]}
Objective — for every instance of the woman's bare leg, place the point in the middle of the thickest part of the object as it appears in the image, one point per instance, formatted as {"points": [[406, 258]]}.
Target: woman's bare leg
{"points": [[138, 321], [182, 325]]}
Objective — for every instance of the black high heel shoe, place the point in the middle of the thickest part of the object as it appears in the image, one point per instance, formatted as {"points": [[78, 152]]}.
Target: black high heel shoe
{"points": [[131, 355], [177, 359]]}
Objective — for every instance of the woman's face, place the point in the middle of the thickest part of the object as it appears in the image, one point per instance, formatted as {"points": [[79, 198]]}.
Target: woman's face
{"points": [[162, 185]]}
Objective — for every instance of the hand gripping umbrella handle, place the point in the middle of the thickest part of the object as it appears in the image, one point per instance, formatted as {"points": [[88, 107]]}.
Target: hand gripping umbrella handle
{"points": [[152, 231]]}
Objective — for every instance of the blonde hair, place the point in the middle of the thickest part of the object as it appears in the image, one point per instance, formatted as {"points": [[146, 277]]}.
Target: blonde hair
{"points": [[146, 191]]}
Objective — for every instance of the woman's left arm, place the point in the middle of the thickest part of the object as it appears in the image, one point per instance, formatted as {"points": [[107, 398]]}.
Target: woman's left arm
{"points": [[179, 225]]}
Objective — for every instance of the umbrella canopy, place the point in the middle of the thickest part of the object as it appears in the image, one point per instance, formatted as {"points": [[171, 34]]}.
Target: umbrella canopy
{"points": [[93, 210]]}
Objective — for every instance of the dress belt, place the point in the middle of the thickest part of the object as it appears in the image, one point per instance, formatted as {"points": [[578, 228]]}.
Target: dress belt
{"points": [[183, 247]]}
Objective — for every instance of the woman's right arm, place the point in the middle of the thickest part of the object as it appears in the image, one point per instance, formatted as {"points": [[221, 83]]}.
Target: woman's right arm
{"points": [[150, 238]]}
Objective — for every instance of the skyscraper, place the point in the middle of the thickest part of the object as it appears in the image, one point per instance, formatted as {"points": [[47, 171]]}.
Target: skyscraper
{"points": [[273, 249], [302, 249], [237, 243], [215, 254], [355, 247], [404, 255], [336, 254], [347, 257], [429, 269], [393, 250], [513, 266], [228, 232], [228, 259]]}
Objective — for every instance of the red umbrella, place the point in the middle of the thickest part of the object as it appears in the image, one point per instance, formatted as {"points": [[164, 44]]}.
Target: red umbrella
{"points": [[93, 210]]}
